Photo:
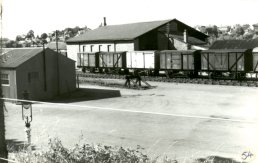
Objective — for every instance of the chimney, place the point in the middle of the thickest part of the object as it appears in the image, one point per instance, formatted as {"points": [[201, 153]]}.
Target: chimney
{"points": [[105, 23], [185, 36]]}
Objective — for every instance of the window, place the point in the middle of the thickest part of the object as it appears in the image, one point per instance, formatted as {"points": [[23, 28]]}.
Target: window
{"points": [[91, 48], [100, 48], [108, 48], [33, 76], [83, 48], [5, 79]]}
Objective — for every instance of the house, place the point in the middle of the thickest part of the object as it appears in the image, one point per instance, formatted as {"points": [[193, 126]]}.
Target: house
{"points": [[224, 29], [155, 35], [255, 27], [42, 72]]}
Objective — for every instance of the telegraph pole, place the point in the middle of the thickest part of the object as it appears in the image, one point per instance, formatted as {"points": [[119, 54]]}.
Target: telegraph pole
{"points": [[3, 146]]}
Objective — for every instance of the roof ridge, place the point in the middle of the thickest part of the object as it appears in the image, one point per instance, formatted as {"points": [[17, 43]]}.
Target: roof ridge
{"points": [[166, 20]]}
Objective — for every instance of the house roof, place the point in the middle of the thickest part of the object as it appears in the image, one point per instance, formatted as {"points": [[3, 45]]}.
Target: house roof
{"points": [[124, 32], [16, 57], [61, 45], [235, 44]]}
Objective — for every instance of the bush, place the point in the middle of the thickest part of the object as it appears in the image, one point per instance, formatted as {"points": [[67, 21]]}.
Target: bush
{"points": [[83, 153]]}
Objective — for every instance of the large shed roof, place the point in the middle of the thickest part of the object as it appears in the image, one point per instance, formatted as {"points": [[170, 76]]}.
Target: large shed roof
{"points": [[124, 32]]}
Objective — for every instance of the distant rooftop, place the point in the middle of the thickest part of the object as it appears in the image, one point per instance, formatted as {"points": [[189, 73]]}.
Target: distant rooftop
{"points": [[61, 45]]}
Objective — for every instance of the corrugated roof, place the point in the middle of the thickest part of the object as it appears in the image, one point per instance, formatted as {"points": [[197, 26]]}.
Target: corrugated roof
{"points": [[16, 57], [118, 32], [235, 44], [191, 40], [61, 45]]}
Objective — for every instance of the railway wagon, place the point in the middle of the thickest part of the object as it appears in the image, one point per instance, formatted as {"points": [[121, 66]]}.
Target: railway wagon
{"points": [[186, 61], [112, 61], [255, 60], [227, 62], [143, 60], [87, 60]]}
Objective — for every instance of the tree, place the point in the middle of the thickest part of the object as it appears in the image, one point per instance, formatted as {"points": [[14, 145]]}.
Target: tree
{"points": [[18, 38], [30, 35], [11, 44], [3, 148], [239, 30], [44, 36]]}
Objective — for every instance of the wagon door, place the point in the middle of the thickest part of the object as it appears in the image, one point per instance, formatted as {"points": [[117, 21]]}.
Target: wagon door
{"points": [[220, 61], [86, 59], [109, 60], [236, 61], [92, 60], [176, 61], [188, 62], [137, 60], [118, 60], [204, 61], [148, 60]]}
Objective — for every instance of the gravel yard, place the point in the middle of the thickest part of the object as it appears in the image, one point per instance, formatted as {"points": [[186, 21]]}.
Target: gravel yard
{"points": [[182, 121]]}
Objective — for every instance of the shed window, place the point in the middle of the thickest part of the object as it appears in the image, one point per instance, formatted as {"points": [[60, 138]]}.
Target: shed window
{"points": [[83, 48], [5, 79], [108, 48], [91, 48], [33, 76]]}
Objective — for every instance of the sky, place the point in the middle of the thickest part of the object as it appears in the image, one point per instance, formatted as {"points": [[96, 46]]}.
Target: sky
{"points": [[20, 16]]}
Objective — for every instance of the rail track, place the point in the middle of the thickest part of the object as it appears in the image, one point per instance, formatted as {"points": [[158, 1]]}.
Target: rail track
{"points": [[82, 78]]}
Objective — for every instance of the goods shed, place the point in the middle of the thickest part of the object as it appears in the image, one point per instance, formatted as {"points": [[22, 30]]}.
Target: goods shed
{"points": [[168, 34], [44, 73]]}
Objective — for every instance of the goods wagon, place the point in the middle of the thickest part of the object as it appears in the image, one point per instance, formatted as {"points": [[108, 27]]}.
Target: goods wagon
{"points": [[141, 60], [87, 60], [112, 60], [180, 60], [235, 61]]}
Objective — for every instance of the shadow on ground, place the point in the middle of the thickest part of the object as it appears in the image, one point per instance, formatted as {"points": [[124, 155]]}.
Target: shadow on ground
{"points": [[14, 145], [86, 94], [217, 159]]}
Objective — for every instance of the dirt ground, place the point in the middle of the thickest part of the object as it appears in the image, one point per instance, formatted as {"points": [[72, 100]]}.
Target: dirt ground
{"points": [[182, 121]]}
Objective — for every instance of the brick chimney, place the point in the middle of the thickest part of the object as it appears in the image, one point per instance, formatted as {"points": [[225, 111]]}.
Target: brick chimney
{"points": [[105, 23], [185, 36]]}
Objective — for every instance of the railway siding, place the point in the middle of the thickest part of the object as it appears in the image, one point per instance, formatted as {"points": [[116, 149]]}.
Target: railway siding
{"points": [[84, 78]]}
